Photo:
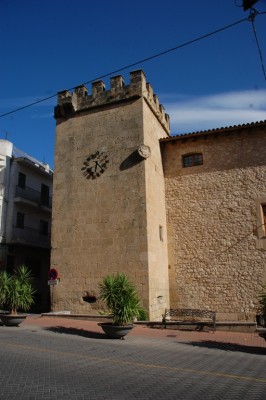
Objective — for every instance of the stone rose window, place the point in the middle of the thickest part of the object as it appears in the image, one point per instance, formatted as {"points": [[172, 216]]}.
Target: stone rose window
{"points": [[192, 160]]}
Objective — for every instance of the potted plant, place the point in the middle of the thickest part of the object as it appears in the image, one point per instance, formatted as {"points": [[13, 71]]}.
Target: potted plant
{"points": [[262, 309], [121, 299], [16, 293], [261, 318]]}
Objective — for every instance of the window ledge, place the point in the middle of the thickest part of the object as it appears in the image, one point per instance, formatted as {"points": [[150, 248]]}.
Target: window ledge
{"points": [[261, 243]]}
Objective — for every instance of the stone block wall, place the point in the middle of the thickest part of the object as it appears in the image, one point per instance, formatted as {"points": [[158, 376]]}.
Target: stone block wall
{"points": [[216, 259], [104, 225], [156, 218]]}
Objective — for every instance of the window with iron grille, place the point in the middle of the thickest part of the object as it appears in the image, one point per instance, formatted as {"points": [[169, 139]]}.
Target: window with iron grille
{"points": [[263, 206], [191, 160], [261, 222]]}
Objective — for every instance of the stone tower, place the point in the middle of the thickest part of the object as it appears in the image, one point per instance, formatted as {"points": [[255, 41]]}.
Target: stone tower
{"points": [[109, 202]]}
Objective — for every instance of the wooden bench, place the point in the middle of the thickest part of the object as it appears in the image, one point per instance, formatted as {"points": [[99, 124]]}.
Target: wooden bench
{"points": [[188, 316]]}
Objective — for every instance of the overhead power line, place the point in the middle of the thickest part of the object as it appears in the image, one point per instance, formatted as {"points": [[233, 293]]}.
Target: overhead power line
{"points": [[135, 63], [253, 14]]}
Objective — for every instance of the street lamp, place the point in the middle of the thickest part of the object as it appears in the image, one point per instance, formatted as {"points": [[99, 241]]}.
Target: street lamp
{"points": [[248, 4]]}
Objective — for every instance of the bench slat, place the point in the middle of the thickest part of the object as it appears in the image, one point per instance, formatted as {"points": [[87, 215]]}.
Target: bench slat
{"points": [[189, 312]]}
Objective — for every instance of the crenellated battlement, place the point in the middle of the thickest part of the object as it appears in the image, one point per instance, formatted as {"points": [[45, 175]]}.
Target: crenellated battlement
{"points": [[80, 100]]}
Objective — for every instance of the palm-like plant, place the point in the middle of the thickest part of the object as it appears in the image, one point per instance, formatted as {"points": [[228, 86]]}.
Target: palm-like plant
{"points": [[16, 291], [121, 298]]}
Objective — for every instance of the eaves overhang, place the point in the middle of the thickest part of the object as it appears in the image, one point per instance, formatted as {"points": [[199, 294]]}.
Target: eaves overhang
{"points": [[39, 168], [213, 132]]}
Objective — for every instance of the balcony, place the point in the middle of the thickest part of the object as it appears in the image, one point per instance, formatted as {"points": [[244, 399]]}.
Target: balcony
{"points": [[33, 197], [31, 237]]}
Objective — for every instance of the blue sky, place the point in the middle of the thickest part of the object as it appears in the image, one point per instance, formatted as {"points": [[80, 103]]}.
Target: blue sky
{"points": [[47, 46]]}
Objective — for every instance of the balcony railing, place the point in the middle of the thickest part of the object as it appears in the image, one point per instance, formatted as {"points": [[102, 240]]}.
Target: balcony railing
{"points": [[34, 196], [31, 236]]}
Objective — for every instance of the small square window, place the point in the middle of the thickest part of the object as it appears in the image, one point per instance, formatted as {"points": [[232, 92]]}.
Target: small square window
{"points": [[192, 160], [161, 233]]}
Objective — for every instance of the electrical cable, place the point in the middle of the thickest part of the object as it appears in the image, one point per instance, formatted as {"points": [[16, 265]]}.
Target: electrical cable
{"points": [[241, 239], [253, 14], [135, 63]]}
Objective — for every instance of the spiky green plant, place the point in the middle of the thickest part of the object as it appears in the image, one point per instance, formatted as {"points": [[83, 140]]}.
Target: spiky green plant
{"points": [[121, 298], [5, 282], [16, 291]]}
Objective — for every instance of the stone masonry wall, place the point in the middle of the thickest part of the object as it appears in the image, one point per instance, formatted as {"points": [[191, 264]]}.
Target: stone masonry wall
{"points": [[215, 261], [156, 219], [101, 226]]}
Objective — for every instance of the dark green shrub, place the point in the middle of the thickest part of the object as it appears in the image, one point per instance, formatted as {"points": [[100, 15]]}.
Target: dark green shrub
{"points": [[121, 298], [16, 291], [143, 315]]}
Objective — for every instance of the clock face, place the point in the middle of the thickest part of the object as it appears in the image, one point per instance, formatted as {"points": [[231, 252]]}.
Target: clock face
{"points": [[144, 151], [95, 165]]}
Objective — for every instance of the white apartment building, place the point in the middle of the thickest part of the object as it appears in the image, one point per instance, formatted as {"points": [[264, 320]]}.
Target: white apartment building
{"points": [[25, 217]]}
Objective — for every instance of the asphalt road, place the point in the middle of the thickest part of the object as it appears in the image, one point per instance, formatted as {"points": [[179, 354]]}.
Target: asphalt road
{"points": [[50, 363]]}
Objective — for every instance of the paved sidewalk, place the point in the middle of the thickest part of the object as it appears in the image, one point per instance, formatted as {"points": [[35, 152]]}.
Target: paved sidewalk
{"points": [[60, 358], [246, 342]]}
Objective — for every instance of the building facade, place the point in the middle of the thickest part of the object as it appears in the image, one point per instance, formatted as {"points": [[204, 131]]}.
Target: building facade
{"points": [[216, 196], [25, 209], [182, 216]]}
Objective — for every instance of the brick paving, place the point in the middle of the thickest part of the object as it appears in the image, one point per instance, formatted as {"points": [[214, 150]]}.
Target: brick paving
{"points": [[63, 358], [252, 340]]}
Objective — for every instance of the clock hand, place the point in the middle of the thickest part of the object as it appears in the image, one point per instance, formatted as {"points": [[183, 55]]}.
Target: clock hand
{"points": [[97, 165]]}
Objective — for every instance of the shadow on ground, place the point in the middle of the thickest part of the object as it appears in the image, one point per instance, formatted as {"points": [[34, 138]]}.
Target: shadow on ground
{"points": [[228, 347], [77, 332]]}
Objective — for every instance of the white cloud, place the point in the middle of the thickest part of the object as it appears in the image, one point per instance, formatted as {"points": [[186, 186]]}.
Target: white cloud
{"points": [[190, 114]]}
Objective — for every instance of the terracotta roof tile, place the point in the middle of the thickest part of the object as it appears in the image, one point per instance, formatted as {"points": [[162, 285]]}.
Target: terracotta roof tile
{"points": [[212, 131]]}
